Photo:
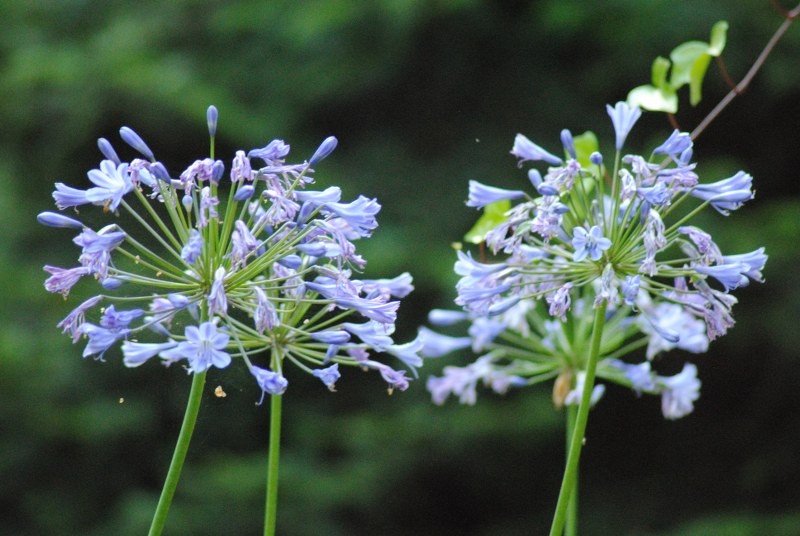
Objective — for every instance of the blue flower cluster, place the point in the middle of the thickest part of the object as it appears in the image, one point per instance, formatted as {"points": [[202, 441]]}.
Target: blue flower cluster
{"points": [[593, 235], [206, 275]]}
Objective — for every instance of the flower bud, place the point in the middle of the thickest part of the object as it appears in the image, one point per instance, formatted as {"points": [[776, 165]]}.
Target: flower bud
{"points": [[211, 117], [54, 219], [217, 170], [108, 151], [324, 149], [244, 193], [132, 138], [568, 143]]}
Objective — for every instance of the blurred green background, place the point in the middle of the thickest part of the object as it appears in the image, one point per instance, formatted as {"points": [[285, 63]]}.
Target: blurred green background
{"points": [[423, 96]]}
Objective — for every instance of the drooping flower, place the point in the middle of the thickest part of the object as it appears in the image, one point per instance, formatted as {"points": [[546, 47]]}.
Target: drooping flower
{"points": [[680, 392]]}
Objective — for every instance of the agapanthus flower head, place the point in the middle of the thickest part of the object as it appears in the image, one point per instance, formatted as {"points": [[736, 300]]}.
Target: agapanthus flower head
{"points": [[588, 236], [257, 269]]}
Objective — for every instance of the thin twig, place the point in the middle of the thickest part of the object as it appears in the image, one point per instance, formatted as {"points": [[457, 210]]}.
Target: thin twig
{"points": [[724, 72], [741, 86]]}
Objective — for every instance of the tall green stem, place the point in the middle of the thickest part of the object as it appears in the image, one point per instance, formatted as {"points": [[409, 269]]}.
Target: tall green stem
{"points": [[571, 525], [568, 484], [179, 456], [271, 514]]}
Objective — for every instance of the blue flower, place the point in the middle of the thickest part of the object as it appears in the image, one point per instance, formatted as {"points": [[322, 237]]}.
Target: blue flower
{"points": [[649, 268], [374, 334], [679, 392], [63, 279], [100, 338], [359, 215], [193, 247], [436, 345], [623, 116], [374, 309], [481, 195], [526, 150], [111, 182], [270, 382], [591, 243], [754, 262], [677, 143], [328, 376], [272, 154], [727, 194], [398, 287], [217, 298], [97, 248], [266, 268], [203, 348], [137, 353], [730, 275], [74, 320]]}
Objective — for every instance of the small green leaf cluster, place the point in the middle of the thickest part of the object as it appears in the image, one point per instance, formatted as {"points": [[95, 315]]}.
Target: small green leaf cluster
{"points": [[689, 62]]}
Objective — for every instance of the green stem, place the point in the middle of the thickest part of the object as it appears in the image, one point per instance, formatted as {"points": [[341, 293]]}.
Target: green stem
{"points": [[568, 484], [273, 457], [571, 525], [179, 456]]}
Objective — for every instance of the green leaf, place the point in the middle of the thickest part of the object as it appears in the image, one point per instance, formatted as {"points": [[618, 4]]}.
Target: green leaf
{"points": [[585, 145], [718, 38], [659, 97], [658, 72], [493, 215], [696, 76], [654, 99], [683, 58]]}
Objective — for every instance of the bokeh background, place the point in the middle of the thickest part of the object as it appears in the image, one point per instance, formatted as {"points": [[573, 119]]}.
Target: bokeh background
{"points": [[423, 96]]}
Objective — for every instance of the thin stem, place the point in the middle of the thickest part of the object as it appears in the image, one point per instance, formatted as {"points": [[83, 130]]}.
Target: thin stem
{"points": [[741, 86], [179, 456], [568, 484], [571, 525], [270, 517]]}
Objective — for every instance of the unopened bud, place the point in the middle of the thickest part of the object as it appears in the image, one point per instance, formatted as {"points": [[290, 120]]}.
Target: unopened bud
{"points": [[108, 151], [211, 116], [325, 148], [132, 138]]}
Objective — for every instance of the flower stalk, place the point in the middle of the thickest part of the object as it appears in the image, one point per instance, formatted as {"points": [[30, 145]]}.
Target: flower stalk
{"points": [[273, 459], [268, 269], [568, 493], [179, 455]]}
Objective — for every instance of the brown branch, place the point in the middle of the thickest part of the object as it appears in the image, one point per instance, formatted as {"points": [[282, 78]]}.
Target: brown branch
{"points": [[785, 14], [673, 121], [724, 72], [745, 82]]}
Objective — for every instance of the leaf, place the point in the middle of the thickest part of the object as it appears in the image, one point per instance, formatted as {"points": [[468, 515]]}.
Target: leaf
{"points": [[683, 58], [654, 99], [718, 38], [696, 76], [690, 61], [658, 72], [585, 145], [493, 215], [659, 97]]}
